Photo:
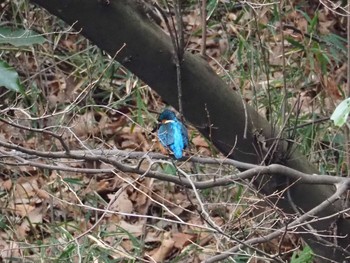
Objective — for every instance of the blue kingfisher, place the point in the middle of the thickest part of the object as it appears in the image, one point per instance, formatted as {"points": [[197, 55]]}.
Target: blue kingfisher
{"points": [[172, 133]]}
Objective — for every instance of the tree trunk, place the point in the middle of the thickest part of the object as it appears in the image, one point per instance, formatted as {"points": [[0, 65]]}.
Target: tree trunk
{"points": [[208, 103]]}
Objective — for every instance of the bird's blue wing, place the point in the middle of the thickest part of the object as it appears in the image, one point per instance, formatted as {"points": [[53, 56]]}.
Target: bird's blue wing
{"points": [[174, 136], [179, 143], [184, 133], [165, 134]]}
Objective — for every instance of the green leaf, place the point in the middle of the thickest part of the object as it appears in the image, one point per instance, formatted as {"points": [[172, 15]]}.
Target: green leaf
{"points": [[341, 113], [313, 23], [20, 37], [336, 41], [140, 107], [9, 78], [304, 256], [73, 181], [212, 5], [322, 58], [169, 169], [337, 47], [295, 43], [305, 15]]}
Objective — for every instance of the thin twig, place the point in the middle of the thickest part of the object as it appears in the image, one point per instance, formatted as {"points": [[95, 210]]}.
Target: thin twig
{"points": [[347, 131], [265, 60], [58, 137], [309, 215], [285, 92], [204, 27], [179, 52], [177, 40]]}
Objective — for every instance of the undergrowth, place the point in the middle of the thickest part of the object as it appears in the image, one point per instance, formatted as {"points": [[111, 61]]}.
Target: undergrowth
{"points": [[68, 83]]}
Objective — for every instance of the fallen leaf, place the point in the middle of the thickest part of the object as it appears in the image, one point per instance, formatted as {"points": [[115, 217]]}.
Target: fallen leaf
{"points": [[181, 239], [165, 248], [199, 141], [42, 194], [122, 203], [128, 229], [9, 249], [21, 209], [7, 185]]}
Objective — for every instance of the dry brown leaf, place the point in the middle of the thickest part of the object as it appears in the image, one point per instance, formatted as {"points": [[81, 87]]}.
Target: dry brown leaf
{"points": [[89, 123], [25, 188], [114, 124], [326, 27], [35, 216], [69, 44], [340, 74], [201, 145], [135, 229], [21, 209], [153, 236], [21, 230], [141, 198], [9, 249], [100, 186], [301, 24], [331, 88], [133, 139], [6, 185], [165, 248], [115, 252], [181, 239], [122, 203], [42, 194], [129, 145], [199, 141]]}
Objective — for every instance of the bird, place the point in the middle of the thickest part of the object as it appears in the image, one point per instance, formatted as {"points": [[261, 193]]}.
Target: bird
{"points": [[172, 133]]}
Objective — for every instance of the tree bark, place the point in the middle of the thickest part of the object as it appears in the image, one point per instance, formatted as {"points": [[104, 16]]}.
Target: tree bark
{"points": [[208, 103]]}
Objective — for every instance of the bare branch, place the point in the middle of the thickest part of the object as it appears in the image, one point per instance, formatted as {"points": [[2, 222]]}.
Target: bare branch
{"points": [[296, 223], [113, 158]]}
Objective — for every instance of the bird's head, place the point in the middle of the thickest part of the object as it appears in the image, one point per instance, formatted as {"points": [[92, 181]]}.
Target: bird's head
{"points": [[167, 115]]}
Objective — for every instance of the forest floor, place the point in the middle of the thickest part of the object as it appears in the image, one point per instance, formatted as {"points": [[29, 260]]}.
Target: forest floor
{"points": [[94, 213]]}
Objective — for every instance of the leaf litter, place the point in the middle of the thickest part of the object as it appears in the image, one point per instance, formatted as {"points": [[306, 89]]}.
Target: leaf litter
{"points": [[142, 222]]}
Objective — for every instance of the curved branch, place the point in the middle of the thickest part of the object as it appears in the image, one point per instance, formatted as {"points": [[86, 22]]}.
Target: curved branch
{"points": [[309, 215]]}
